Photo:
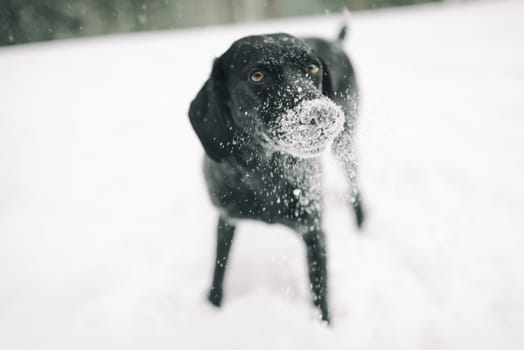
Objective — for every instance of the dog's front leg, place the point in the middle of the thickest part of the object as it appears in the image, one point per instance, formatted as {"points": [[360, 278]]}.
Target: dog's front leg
{"points": [[225, 234], [344, 150], [316, 261]]}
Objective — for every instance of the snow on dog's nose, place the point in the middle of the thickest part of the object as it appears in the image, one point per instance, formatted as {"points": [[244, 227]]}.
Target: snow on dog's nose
{"points": [[308, 128], [321, 111]]}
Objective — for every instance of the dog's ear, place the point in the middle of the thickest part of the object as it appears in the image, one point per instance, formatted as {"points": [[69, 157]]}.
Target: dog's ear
{"points": [[327, 85], [338, 77], [209, 115]]}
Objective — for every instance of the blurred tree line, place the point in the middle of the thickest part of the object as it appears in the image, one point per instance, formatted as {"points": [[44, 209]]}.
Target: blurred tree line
{"points": [[23, 21]]}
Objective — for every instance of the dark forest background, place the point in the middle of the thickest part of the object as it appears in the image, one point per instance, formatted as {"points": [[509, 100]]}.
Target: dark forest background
{"points": [[23, 21]]}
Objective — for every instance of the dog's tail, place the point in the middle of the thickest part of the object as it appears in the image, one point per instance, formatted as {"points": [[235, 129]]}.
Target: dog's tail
{"points": [[342, 34]]}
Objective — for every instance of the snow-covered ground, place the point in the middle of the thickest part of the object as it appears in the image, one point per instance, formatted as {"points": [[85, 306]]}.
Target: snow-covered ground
{"points": [[107, 234]]}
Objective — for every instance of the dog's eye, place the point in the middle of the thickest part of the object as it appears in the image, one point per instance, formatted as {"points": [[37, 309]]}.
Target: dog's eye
{"points": [[312, 69], [256, 77]]}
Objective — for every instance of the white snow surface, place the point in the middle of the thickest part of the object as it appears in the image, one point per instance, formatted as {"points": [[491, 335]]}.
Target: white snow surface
{"points": [[107, 233]]}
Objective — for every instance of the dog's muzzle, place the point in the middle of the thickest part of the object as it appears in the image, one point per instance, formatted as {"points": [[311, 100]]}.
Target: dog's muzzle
{"points": [[308, 128]]}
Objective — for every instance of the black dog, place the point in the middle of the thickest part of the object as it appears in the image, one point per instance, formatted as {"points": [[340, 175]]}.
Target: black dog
{"points": [[272, 104]]}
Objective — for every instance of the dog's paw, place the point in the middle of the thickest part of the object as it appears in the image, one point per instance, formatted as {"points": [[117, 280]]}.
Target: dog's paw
{"points": [[215, 296], [323, 313], [360, 217], [358, 211]]}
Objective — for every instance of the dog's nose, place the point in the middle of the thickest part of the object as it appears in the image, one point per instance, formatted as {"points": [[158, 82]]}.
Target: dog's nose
{"points": [[309, 118], [316, 115]]}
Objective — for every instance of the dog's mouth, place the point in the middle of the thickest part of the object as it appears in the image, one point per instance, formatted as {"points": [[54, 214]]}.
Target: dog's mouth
{"points": [[307, 129]]}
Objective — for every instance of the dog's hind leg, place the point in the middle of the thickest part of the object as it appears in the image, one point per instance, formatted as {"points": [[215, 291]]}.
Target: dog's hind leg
{"points": [[344, 150], [357, 209], [225, 234], [316, 261]]}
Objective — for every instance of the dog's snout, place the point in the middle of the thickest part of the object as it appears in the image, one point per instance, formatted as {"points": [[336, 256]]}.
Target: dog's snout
{"points": [[317, 113]]}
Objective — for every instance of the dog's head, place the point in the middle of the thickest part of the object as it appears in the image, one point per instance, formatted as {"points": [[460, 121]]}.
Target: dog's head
{"points": [[269, 89]]}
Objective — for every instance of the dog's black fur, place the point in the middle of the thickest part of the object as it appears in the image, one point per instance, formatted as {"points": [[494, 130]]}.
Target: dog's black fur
{"points": [[250, 172]]}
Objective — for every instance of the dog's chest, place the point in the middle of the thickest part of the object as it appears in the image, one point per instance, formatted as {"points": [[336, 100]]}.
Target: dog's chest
{"points": [[283, 190]]}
